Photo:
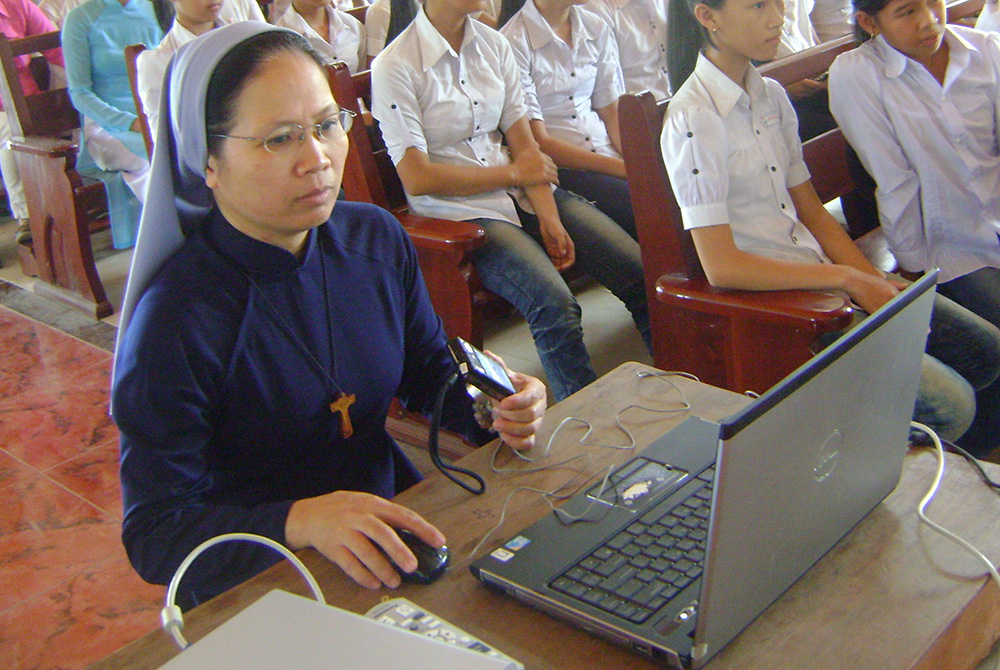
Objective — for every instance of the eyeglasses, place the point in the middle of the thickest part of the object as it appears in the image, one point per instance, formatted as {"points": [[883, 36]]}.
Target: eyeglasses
{"points": [[283, 139]]}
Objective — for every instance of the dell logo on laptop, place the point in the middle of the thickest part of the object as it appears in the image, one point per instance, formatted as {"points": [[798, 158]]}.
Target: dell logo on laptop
{"points": [[829, 455]]}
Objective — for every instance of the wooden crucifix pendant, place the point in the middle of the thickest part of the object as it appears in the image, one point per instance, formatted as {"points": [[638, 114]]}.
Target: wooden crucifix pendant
{"points": [[343, 405]]}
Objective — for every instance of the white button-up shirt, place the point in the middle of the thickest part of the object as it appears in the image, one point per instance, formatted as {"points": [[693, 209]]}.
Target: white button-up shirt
{"points": [[797, 33], [831, 19], [152, 64], [345, 42], [377, 22], [640, 29], [732, 155], [452, 106], [932, 149], [563, 84], [240, 10]]}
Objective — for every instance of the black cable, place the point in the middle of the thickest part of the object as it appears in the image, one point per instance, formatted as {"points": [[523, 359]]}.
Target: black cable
{"points": [[432, 444], [974, 462]]}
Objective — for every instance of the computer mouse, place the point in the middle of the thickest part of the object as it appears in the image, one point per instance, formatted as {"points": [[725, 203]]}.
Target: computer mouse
{"points": [[431, 562]]}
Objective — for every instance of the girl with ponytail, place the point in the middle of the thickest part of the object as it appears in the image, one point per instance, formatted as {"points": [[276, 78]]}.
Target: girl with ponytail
{"points": [[445, 92], [572, 78], [731, 147]]}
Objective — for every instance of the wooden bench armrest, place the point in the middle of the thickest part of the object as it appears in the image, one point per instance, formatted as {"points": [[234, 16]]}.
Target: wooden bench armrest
{"points": [[441, 234], [51, 147], [819, 312]]}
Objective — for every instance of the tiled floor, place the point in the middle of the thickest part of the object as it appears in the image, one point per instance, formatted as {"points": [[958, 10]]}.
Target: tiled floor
{"points": [[68, 595]]}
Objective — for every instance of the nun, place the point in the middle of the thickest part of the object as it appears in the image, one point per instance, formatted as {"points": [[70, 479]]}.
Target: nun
{"points": [[267, 327]]}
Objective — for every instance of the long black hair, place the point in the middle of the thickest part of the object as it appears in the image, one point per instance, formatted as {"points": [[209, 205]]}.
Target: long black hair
{"points": [[869, 7], [165, 13], [236, 69], [685, 38], [401, 14], [508, 8]]}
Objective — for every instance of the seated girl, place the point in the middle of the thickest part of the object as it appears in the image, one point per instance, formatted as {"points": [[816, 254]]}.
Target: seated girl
{"points": [[731, 147], [336, 35], [184, 20], [443, 91], [919, 103], [918, 100], [94, 38], [572, 79], [265, 332]]}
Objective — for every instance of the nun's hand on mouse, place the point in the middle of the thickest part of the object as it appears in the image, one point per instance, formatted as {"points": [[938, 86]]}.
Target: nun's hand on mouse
{"points": [[345, 526]]}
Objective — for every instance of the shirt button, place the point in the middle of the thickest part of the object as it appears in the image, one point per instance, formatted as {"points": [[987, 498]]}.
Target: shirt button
{"points": [[477, 127], [572, 74], [586, 139], [475, 102], [483, 160], [695, 171], [394, 106], [571, 97], [782, 205], [774, 169], [795, 239], [690, 134], [757, 131], [462, 81], [574, 116]]}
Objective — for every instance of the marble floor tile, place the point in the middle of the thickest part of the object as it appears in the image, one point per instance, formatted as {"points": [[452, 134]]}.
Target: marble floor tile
{"points": [[81, 620], [48, 535], [93, 475], [36, 355], [13, 471], [70, 416]]}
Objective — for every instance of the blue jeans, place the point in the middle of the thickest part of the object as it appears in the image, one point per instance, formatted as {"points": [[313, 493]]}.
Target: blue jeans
{"points": [[514, 264], [969, 348], [608, 194], [979, 292]]}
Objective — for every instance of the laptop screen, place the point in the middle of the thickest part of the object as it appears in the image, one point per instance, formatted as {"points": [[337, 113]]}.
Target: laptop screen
{"points": [[798, 468]]}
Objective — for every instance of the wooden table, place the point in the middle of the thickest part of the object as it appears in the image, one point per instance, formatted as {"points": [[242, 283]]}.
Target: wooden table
{"points": [[889, 595]]}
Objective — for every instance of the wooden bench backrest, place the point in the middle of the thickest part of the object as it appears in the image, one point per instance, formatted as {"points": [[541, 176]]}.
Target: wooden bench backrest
{"points": [[369, 175], [45, 114], [131, 59], [358, 12]]}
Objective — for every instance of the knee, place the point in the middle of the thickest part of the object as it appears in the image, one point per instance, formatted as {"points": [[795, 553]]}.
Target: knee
{"points": [[945, 400]]}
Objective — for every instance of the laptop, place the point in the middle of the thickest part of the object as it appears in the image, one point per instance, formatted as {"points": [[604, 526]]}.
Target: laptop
{"points": [[696, 535], [283, 630]]}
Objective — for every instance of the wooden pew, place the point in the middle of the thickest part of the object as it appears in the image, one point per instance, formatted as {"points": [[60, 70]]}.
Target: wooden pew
{"points": [[740, 340], [131, 65], [63, 206], [444, 247]]}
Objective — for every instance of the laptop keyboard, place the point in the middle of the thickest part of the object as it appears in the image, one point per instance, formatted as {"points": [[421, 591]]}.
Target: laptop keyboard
{"points": [[647, 564]]}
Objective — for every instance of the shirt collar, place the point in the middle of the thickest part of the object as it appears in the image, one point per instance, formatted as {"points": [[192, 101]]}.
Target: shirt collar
{"points": [[432, 45], [724, 92], [960, 53], [253, 256], [538, 29]]}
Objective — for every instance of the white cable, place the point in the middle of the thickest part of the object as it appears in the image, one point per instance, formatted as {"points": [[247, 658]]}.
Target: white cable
{"points": [[921, 508], [171, 616]]}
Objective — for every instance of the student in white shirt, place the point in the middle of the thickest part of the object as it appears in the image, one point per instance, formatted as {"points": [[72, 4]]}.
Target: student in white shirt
{"points": [[184, 20], [572, 79], [731, 148], [335, 34], [443, 92], [379, 15], [640, 29], [919, 103]]}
